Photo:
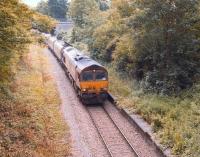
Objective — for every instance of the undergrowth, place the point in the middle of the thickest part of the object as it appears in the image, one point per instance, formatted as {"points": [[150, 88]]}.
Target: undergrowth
{"points": [[31, 123], [175, 120]]}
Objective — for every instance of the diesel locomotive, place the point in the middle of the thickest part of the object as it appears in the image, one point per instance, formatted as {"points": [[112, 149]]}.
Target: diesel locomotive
{"points": [[88, 77]]}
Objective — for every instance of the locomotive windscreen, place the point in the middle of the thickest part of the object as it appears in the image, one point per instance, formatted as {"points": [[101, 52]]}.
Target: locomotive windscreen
{"points": [[87, 76], [97, 75], [100, 75]]}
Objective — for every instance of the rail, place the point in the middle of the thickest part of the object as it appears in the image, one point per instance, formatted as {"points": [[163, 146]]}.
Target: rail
{"points": [[123, 135], [119, 130], [103, 140]]}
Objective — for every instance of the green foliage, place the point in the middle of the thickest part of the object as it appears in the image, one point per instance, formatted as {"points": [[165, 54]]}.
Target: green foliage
{"points": [[124, 55], [16, 23], [43, 8], [175, 120], [168, 49], [155, 43], [81, 11], [100, 47], [31, 124], [55, 8], [43, 23], [14, 29], [124, 8], [107, 36]]}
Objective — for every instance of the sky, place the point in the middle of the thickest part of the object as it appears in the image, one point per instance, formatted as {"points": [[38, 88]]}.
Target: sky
{"points": [[31, 3]]}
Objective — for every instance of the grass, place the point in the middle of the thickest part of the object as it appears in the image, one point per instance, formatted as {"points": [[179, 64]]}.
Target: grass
{"points": [[175, 120], [31, 123]]}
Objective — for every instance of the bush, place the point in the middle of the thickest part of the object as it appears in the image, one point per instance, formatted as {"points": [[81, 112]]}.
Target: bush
{"points": [[167, 50], [31, 124], [124, 55], [175, 120], [43, 23]]}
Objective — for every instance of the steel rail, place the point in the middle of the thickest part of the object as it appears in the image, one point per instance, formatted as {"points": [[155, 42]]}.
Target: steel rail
{"points": [[102, 138], [93, 121], [112, 101], [123, 135]]}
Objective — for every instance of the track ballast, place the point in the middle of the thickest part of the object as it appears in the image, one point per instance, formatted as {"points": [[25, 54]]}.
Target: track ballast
{"points": [[113, 138]]}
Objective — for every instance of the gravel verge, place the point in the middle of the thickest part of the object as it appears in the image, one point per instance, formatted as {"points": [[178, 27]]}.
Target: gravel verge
{"points": [[85, 139]]}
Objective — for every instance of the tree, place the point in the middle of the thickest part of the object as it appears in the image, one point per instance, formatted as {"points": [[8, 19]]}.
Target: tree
{"points": [[58, 8], [43, 8], [109, 33], [86, 17], [168, 47], [162, 39], [80, 11], [16, 23], [14, 29], [43, 23]]}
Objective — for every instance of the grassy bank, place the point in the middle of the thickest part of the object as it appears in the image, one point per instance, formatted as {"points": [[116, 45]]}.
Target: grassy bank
{"points": [[31, 123], [175, 120]]}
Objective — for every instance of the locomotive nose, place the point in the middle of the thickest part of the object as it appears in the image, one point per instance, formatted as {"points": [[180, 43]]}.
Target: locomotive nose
{"points": [[95, 87]]}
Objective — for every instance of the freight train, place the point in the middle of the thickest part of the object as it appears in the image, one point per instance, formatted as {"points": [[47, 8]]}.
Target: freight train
{"points": [[88, 77]]}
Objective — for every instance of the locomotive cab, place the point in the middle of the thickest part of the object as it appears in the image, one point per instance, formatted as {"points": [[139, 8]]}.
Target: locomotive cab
{"points": [[94, 84]]}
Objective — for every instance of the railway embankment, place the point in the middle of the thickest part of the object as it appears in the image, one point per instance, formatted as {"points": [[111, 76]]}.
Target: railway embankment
{"points": [[141, 126], [95, 132], [171, 121], [31, 122]]}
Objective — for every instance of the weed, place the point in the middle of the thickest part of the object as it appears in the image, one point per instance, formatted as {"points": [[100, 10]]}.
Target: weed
{"points": [[175, 120], [31, 123]]}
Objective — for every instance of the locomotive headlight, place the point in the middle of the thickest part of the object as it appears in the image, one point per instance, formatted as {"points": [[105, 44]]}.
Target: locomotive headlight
{"points": [[104, 88], [84, 90]]}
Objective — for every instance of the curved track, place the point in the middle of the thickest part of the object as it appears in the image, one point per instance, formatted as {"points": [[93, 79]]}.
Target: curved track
{"points": [[113, 138]]}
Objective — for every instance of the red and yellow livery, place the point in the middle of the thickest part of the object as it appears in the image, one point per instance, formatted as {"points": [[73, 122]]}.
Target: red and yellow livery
{"points": [[89, 78]]}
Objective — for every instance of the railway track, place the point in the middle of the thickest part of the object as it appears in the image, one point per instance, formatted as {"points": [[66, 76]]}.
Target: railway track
{"points": [[120, 140], [115, 141]]}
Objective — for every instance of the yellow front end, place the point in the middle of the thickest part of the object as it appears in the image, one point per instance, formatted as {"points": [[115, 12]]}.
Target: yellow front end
{"points": [[93, 92], [94, 87]]}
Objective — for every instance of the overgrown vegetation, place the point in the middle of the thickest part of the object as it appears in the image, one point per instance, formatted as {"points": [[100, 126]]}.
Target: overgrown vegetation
{"points": [[14, 29], [31, 123], [175, 120], [43, 23], [156, 45], [167, 48], [55, 8]]}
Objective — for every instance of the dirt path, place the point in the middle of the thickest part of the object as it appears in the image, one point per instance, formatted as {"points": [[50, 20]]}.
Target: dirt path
{"points": [[85, 139]]}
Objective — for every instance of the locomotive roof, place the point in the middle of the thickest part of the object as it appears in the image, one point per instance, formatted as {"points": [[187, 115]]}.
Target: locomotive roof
{"points": [[87, 62], [80, 60]]}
